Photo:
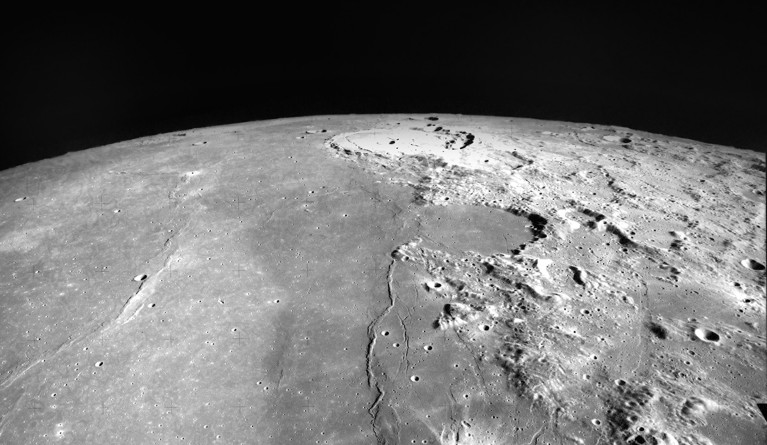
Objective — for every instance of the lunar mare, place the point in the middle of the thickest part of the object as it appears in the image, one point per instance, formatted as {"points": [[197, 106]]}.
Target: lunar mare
{"points": [[386, 279]]}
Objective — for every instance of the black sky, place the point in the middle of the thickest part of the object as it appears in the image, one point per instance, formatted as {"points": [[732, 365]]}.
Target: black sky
{"points": [[72, 83]]}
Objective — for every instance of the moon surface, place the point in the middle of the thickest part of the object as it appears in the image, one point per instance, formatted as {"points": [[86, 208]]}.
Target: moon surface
{"points": [[389, 279]]}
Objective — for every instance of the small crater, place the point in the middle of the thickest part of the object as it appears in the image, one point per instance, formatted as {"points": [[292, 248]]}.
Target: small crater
{"points": [[415, 378], [140, 277], [396, 254], [577, 275], [428, 348], [752, 264], [99, 364], [678, 234], [435, 285], [707, 335]]}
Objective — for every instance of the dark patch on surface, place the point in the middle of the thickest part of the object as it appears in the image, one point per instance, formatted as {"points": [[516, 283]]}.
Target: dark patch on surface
{"points": [[596, 215], [658, 330], [276, 362], [469, 140]]}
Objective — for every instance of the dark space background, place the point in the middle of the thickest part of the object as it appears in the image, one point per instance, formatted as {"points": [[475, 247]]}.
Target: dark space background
{"points": [[71, 82]]}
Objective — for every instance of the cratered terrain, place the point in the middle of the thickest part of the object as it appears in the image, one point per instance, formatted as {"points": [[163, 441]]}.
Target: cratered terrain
{"points": [[393, 279]]}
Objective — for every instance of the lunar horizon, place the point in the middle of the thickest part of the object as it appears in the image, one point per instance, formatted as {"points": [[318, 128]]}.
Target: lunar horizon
{"points": [[389, 279]]}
